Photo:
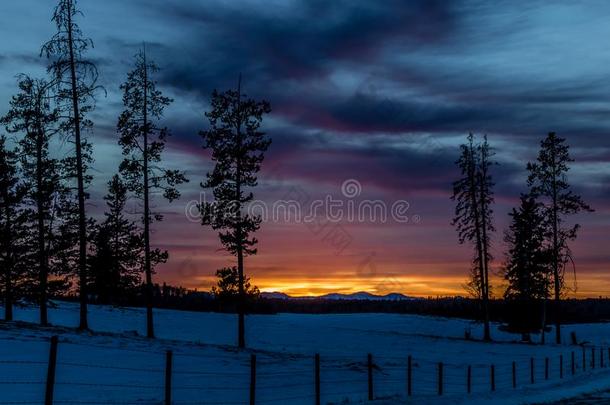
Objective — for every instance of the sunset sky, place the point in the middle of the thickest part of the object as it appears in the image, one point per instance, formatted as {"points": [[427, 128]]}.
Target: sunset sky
{"points": [[377, 93]]}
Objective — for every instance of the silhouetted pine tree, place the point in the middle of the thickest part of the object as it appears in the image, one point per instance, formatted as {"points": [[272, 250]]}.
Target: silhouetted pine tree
{"points": [[486, 201], [473, 195], [227, 287], [14, 268], [32, 117], [75, 81], [549, 185], [116, 261], [238, 147], [143, 143], [527, 262]]}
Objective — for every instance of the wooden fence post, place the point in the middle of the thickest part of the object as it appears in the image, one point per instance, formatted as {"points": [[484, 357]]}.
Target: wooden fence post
{"points": [[168, 377], [370, 369], [573, 364], [493, 377], [584, 359], [514, 375], [532, 370], [317, 378], [252, 379], [546, 368], [469, 379], [48, 399], [440, 378], [409, 376]]}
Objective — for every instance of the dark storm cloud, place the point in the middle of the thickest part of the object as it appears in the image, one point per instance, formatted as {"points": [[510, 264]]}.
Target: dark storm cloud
{"points": [[305, 41], [363, 113], [288, 53], [366, 113], [291, 53]]}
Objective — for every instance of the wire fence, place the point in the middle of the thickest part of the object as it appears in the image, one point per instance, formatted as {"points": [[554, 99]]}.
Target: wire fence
{"points": [[79, 373]]}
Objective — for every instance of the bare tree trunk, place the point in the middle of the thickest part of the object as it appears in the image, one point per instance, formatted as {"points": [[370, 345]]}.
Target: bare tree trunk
{"points": [[8, 296], [556, 252], [475, 205], [485, 261], [543, 331], [241, 327], [8, 299], [82, 225], [150, 332], [43, 268]]}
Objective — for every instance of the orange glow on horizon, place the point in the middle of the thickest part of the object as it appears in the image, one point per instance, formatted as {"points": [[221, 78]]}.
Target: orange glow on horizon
{"points": [[591, 286], [412, 286]]}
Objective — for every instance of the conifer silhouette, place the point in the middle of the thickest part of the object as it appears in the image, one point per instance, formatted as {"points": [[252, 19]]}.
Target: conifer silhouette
{"points": [[75, 84], [473, 194], [238, 146], [143, 142], [549, 185]]}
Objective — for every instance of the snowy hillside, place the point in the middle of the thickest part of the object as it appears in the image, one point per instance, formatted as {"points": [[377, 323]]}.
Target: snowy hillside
{"points": [[116, 365]]}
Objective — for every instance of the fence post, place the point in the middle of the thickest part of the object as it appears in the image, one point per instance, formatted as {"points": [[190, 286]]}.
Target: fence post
{"points": [[469, 379], [584, 359], [514, 375], [573, 364], [440, 378], [409, 376], [48, 399], [561, 366], [532, 370], [546, 368], [317, 378], [252, 379], [168, 377], [592, 357], [493, 377], [370, 369]]}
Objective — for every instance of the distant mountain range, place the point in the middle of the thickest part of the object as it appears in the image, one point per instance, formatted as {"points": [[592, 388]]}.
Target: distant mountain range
{"points": [[362, 295]]}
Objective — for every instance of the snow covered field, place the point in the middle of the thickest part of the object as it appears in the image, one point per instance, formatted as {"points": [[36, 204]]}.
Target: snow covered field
{"points": [[117, 365]]}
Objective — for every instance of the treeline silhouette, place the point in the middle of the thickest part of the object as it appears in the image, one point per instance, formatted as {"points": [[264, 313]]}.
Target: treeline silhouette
{"points": [[588, 310]]}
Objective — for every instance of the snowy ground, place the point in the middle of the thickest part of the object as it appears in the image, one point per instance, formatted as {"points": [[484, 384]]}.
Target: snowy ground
{"points": [[116, 365]]}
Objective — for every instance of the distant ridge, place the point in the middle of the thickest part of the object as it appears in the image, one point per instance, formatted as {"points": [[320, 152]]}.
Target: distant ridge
{"points": [[362, 296]]}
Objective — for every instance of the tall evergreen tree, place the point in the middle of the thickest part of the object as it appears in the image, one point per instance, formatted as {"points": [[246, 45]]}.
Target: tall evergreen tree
{"points": [[143, 142], [116, 261], [32, 117], [527, 262], [75, 81], [238, 147], [473, 194], [13, 247], [549, 185], [486, 201]]}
